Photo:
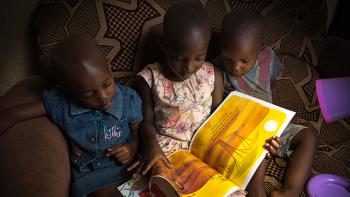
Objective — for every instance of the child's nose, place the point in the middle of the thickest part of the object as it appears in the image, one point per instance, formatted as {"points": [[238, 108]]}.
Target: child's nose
{"points": [[235, 67], [102, 95], [188, 66]]}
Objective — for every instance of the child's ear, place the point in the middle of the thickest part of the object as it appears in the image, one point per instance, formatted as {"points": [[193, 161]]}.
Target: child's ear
{"points": [[109, 63]]}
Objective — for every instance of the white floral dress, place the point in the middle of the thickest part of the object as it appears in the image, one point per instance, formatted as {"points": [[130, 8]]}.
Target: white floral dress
{"points": [[179, 107]]}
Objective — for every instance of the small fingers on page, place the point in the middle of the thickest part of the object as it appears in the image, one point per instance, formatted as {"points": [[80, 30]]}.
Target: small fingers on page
{"points": [[278, 140], [239, 193], [133, 166], [271, 150], [167, 163], [139, 169], [148, 166], [242, 193], [273, 143]]}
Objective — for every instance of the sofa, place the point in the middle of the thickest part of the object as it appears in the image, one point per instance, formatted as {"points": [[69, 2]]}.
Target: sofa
{"points": [[34, 157]]}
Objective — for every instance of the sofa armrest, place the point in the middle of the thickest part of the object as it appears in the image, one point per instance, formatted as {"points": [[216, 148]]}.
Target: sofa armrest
{"points": [[34, 158], [24, 91]]}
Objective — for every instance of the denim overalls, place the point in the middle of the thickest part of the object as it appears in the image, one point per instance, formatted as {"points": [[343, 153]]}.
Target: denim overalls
{"points": [[91, 133]]}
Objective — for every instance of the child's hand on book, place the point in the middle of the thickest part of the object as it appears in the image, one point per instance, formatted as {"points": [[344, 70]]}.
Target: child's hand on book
{"points": [[239, 193], [148, 159], [123, 153], [272, 145]]}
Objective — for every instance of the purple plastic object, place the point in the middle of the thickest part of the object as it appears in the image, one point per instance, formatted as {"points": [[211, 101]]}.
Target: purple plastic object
{"points": [[334, 97], [328, 185]]}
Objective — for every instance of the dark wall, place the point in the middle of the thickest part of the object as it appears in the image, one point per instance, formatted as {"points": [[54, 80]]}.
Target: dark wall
{"points": [[17, 49], [340, 25]]}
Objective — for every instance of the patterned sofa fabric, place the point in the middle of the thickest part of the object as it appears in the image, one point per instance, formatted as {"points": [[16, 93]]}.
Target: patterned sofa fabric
{"points": [[126, 30], [127, 33]]}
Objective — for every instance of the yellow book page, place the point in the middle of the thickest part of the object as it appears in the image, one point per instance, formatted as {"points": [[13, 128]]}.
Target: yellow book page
{"points": [[197, 178], [231, 141]]}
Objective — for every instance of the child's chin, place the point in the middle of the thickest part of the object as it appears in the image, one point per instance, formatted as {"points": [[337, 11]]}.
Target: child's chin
{"points": [[105, 107], [237, 75]]}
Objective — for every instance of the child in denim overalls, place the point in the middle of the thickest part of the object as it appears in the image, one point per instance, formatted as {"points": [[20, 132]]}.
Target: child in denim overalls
{"points": [[99, 118]]}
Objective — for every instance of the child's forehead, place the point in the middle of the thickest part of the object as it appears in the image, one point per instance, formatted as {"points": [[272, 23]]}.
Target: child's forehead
{"points": [[188, 43], [188, 33], [77, 60], [244, 37], [86, 71], [241, 23], [185, 15], [242, 45]]}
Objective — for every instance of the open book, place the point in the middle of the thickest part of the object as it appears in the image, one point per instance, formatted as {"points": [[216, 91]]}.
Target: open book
{"points": [[225, 151]]}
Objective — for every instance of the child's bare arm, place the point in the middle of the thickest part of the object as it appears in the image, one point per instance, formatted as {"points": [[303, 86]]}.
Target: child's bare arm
{"points": [[12, 115], [147, 132], [218, 89]]}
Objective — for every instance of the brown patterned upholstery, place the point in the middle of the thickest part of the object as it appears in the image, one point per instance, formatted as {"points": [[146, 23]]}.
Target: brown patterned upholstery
{"points": [[123, 28], [126, 32]]}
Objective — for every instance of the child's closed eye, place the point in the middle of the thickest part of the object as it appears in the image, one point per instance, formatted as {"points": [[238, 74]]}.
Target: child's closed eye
{"points": [[245, 61], [177, 57], [87, 95], [107, 83], [200, 58]]}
